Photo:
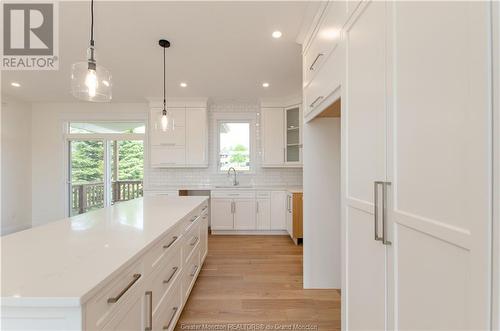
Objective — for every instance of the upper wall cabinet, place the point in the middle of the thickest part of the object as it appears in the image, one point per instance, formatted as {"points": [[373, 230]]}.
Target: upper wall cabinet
{"points": [[183, 147], [321, 55], [281, 133]]}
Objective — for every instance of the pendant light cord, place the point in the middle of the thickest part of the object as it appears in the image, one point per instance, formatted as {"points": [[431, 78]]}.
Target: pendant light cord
{"points": [[92, 22], [164, 84]]}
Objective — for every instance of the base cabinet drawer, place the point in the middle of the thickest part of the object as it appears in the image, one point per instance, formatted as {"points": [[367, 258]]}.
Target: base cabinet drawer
{"points": [[129, 319], [169, 311], [190, 272], [117, 296]]}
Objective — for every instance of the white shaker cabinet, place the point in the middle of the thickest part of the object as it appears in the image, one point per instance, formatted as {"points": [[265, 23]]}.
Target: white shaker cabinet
{"points": [[222, 214], [244, 214], [263, 210], [278, 210], [184, 146], [272, 138], [365, 160], [197, 137], [281, 136]]}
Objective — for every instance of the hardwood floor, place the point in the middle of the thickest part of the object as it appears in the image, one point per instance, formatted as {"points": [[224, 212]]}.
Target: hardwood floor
{"points": [[257, 280]]}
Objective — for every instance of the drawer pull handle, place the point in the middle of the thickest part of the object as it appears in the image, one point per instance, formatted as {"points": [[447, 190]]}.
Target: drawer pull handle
{"points": [[174, 312], [115, 299], [174, 271], [315, 60], [150, 319], [194, 219], [315, 101], [194, 271], [204, 208], [205, 217], [195, 240], [174, 239]]}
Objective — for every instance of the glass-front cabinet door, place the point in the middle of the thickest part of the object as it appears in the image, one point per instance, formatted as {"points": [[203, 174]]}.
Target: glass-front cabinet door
{"points": [[293, 149]]}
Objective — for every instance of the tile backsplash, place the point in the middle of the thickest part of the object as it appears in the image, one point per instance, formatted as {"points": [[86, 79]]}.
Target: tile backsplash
{"points": [[158, 178]]}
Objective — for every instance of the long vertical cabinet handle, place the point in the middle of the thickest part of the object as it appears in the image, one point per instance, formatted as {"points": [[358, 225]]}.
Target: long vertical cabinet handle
{"points": [[375, 205], [384, 214], [150, 317]]}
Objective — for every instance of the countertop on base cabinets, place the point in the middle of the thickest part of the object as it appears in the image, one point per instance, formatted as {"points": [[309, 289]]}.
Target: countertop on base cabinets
{"points": [[291, 189], [64, 262]]}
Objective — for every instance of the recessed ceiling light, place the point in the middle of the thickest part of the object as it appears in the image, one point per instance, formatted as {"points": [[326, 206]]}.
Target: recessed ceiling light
{"points": [[265, 84], [277, 34], [184, 84], [15, 84]]}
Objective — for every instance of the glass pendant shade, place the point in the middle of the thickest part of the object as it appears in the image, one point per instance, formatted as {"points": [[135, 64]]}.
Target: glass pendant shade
{"points": [[91, 82], [166, 121]]}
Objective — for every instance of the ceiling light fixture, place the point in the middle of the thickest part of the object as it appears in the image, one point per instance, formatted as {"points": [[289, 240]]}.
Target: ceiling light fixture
{"points": [[265, 84], [89, 81], [184, 84], [15, 84], [166, 120], [277, 34]]}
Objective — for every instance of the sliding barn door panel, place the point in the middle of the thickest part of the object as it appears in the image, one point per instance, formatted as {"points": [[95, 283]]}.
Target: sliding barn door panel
{"points": [[440, 165]]}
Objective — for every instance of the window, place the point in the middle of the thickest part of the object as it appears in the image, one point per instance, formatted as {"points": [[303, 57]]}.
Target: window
{"points": [[234, 145], [105, 164]]}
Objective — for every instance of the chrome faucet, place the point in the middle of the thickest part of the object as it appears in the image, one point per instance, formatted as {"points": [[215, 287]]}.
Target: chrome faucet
{"points": [[235, 182]]}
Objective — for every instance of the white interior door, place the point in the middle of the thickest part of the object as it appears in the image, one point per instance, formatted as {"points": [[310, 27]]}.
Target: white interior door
{"points": [[244, 214], [440, 165], [365, 120]]}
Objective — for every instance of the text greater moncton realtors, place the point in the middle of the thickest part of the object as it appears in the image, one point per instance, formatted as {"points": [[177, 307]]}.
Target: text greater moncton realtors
{"points": [[29, 62]]}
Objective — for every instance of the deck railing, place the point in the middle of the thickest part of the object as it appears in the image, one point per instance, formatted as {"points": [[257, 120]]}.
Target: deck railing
{"points": [[89, 196]]}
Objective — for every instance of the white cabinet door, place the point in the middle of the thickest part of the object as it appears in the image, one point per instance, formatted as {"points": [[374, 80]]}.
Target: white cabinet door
{"points": [[167, 156], [196, 137], [244, 214], [222, 214], [278, 210], [293, 135], [273, 140], [366, 161], [176, 137], [440, 165], [263, 214]]}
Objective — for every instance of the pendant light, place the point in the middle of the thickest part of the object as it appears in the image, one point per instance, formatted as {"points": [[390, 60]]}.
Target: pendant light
{"points": [[89, 81], [166, 120]]}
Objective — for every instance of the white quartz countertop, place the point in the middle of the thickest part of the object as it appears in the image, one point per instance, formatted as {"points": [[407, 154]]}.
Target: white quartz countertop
{"points": [[293, 189], [66, 259]]}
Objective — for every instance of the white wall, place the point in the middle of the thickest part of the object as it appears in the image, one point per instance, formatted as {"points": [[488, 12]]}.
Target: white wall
{"points": [[48, 146], [16, 165], [322, 248]]}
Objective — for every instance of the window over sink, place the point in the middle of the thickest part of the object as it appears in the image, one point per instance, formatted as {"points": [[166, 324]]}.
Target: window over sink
{"points": [[234, 145]]}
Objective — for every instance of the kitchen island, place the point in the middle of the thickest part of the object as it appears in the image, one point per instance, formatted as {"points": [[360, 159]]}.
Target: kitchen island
{"points": [[126, 267]]}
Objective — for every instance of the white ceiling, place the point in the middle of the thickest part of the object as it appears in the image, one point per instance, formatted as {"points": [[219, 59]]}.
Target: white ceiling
{"points": [[220, 49]]}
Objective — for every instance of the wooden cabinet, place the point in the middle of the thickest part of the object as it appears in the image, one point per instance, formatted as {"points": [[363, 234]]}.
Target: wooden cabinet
{"points": [[281, 136], [294, 216], [186, 145]]}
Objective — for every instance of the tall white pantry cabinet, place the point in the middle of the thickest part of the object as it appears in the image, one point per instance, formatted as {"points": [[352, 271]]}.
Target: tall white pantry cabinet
{"points": [[415, 83]]}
